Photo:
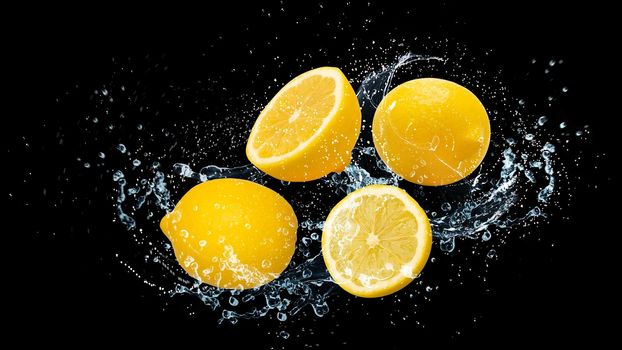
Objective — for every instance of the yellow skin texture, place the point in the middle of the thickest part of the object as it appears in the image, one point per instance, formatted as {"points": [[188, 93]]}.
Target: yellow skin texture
{"points": [[311, 101], [431, 131], [232, 233]]}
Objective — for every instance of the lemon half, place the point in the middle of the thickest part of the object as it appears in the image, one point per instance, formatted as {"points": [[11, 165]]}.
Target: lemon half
{"points": [[376, 241], [232, 233], [308, 129]]}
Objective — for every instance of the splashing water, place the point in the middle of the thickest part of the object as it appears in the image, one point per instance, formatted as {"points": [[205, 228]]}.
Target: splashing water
{"points": [[514, 173]]}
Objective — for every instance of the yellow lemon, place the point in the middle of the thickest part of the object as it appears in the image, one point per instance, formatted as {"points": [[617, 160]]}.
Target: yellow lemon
{"points": [[232, 233], [308, 129], [431, 131], [376, 241]]}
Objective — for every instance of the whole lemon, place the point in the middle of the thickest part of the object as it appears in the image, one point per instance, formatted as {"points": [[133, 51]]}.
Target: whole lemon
{"points": [[232, 233], [431, 131]]}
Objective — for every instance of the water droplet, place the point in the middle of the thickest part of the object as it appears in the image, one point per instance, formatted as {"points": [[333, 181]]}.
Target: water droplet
{"points": [[233, 301], [446, 206], [118, 175], [579, 132], [306, 273], [491, 254], [139, 126], [543, 119], [283, 334], [486, 236], [563, 125], [552, 63], [136, 162], [281, 317], [529, 137], [121, 148], [564, 89], [101, 155], [87, 165], [315, 236]]}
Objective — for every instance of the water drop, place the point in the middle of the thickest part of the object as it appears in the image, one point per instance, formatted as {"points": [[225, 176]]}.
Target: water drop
{"points": [[136, 162], [87, 165], [101, 155], [233, 301], [117, 175], [529, 137], [428, 289], [491, 254], [486, 236], [281, 316], [306, 273], [121, 148], [283, 334], [563, 125], [543, 119]]}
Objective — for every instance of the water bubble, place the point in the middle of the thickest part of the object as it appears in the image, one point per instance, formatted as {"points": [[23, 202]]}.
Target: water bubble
{"points": [[563, 125], [579, 132], [542, 120], [306, 273], [529, 137], [564, 89], [139, 126], [136, 162], [281, 317], [121, 148], [446, 206], [315, 236], [101, 155], [233, 301], [87, 165], [428, 289], [551, 63], [266, 263]]}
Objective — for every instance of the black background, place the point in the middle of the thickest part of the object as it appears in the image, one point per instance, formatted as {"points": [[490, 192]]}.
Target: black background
{"points": [[553, 285]]}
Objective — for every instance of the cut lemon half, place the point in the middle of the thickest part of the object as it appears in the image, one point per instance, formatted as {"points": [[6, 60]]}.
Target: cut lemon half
{"points": [[376, 241], [308, 129]]}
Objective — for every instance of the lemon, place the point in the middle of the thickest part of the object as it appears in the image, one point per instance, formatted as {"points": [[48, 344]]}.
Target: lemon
{"points": [[308, 129], [376, 241], [232, 233], [431, 131]]}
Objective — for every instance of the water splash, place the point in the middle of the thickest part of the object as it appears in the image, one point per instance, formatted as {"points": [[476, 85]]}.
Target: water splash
{"points": [[484, 201]]}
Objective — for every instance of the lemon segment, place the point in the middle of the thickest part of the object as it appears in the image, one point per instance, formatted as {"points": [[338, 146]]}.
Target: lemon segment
{"points": [[232, 233], [431, 131], [376, 241], [308, 129]]}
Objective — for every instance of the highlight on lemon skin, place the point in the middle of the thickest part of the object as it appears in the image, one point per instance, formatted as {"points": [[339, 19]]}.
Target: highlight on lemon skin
{"points": [[376, 241], [308, 129], [232, 233], [431, 131]]}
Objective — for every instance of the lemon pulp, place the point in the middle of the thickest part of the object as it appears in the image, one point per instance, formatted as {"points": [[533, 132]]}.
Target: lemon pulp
{"points": [[431, 131], [232, 233], [308, 129], [376, 241]]}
